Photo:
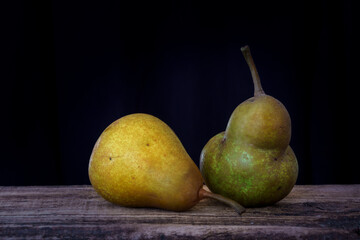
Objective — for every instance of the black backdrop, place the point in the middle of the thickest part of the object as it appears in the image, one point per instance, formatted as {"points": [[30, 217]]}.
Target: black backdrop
{"points": [[70, 68]]}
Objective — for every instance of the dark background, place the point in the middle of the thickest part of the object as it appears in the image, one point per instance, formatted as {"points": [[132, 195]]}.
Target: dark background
{"points": [[70, 68]]}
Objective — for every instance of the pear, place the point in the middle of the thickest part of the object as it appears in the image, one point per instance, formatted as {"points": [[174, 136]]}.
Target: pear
{"points": [[252, 162], [138, 161]]}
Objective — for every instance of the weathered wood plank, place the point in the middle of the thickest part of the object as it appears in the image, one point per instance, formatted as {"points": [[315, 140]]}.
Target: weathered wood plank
{"points": [[62, 212]]}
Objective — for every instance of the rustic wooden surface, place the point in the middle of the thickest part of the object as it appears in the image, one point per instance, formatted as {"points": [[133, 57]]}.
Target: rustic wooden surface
{"points": [[77, 212]]}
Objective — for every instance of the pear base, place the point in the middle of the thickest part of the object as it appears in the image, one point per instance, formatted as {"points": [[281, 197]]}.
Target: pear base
{"points": [[255, 179]]}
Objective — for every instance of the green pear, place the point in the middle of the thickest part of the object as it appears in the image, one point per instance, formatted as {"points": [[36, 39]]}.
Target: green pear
{"points": [[138, 161], [252, 162]]}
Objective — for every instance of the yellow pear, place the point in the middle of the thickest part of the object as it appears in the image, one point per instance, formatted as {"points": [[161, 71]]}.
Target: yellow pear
{"points": [[138, 161]]}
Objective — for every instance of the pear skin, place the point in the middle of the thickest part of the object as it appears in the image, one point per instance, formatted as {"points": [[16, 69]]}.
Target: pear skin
{"points": [[252, 162], [138, 161]]}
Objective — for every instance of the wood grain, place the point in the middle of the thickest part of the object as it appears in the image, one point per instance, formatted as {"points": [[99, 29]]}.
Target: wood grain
{"points": [[77, 212]]}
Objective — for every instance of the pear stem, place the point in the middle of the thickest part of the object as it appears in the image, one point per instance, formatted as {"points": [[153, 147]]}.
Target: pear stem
{"points": [[205, 194], [254, 73]]}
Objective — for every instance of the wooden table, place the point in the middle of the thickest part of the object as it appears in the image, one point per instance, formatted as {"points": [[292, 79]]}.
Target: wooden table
{"points": [[77, 212]]}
